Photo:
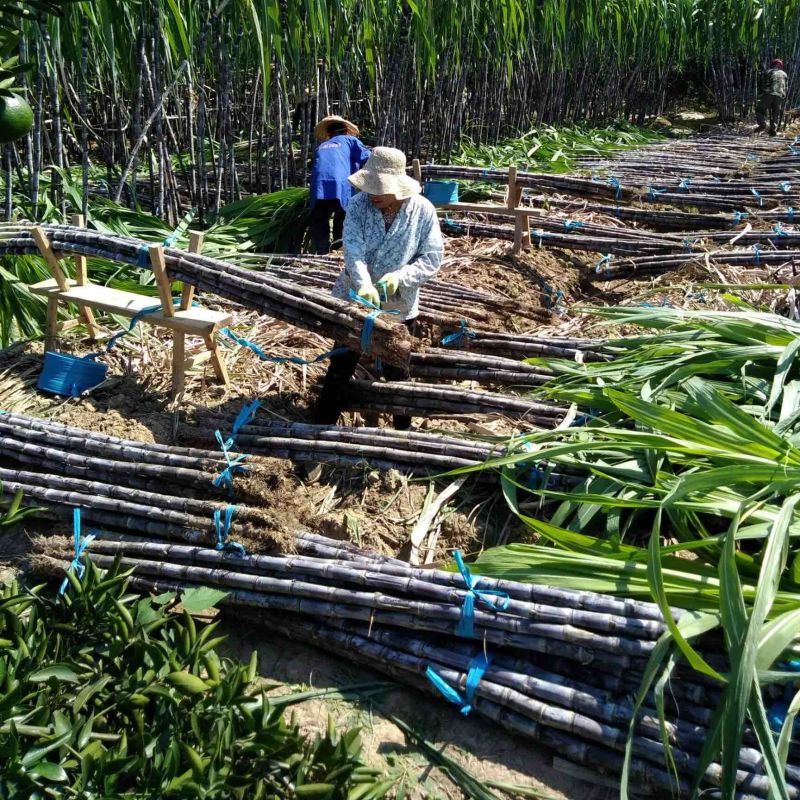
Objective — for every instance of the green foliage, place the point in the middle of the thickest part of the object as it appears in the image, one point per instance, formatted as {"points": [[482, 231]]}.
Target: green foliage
{"points": [[693, 438], [104, 694], [550, 149]]}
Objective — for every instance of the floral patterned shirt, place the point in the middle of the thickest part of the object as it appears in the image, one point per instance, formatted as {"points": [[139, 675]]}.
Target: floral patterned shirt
{"points": [[412, 247]]}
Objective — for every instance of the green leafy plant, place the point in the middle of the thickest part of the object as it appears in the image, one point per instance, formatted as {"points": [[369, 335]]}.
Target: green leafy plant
{"points": [[106, 694]]}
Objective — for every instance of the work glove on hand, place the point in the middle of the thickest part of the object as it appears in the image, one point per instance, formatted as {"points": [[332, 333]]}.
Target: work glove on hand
{"points": [[369, 293], [390, 283]]}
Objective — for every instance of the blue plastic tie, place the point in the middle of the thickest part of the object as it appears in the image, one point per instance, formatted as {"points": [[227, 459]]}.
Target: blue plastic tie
{"points": [[135, 320], [462, 333], [653, 193], [244, 417], [758, 197], [684, 184], [77, 565], [757, 252], [572, 224], [143, 256], [223, 528], [786, 187], [453, 225], [603, 264], [614, 183], [539, 234], [234, 466], [738, 216], [778, 228], [689, 243], [279, 359], [369, 322], [752, 157], [476, 671], [466, 625], [790, 214]]}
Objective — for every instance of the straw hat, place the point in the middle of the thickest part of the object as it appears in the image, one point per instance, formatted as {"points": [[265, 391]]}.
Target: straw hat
{"points": [[321, 129], [385, 173]]}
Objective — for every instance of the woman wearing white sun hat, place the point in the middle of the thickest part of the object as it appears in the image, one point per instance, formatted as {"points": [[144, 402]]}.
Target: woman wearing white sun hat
{"points": [[392, 245]]}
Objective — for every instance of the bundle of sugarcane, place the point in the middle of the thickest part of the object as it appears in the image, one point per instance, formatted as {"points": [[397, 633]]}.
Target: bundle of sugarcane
{"points": [[539, 237], [427, 400], [552, 665], [418, 452], [304, 307], [460, 365], [657, 219], [518, 345], [442, 305], [608, 269], [438, 297]]}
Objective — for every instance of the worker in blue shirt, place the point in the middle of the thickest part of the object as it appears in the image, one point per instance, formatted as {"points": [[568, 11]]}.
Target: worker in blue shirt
{"points": [[339, 154]]}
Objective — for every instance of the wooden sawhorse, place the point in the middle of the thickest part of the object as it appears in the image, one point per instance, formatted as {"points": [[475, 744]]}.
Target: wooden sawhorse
{"points": [[183, 320]]}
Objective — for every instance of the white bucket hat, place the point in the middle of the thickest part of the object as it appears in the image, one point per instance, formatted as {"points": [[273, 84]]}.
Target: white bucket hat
{"points": [[385, 173]]}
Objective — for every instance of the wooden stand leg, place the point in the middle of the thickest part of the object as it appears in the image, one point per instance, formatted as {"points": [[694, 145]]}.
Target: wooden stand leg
{"points": [[217, 362], [51, 337], [517, 235], [82, 279], [178, 363]]}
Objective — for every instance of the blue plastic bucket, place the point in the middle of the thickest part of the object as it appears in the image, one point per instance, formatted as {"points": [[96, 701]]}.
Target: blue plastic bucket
{"points": [[441, 193], [70, 375]]}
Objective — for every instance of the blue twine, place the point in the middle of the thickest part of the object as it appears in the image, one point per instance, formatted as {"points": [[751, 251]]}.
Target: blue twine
{"points": [[135, 319], [223, 527], [699, 296], [461, 333], [80, 545], [234, 466], [453, 225], [278, 359], [614, 183], [602, 264], [752, 157], [369, 322], [786, 187], [572, 224], [758, 197], [689, 243], [790, 214], [466, 625], [539, 234], [684, 184], [738, 216], [477, 669], [778, 228], [757, 251], [653, 193]]}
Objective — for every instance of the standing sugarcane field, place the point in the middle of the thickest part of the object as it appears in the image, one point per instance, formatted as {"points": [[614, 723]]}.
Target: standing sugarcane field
{"points": [[400, 399]]}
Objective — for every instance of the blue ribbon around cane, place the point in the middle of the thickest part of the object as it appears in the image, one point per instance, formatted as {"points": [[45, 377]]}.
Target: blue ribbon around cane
{"points": [[489, 597], [76, 565]]}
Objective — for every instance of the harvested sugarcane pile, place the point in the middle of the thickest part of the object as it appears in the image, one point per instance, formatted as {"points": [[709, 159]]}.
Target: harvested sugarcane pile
{"points": [[417, 452], [459, 365], [618, 241], [430, 400], [554, 666], [304, 307]]}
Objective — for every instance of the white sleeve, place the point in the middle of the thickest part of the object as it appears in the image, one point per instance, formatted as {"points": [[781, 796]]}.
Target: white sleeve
{"points": [[355, 263], [430, 251]]}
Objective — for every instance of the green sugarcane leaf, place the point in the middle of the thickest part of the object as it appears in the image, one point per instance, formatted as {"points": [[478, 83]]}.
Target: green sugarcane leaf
{"points": [[776, 637], [787, 729], [656, 579]]}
